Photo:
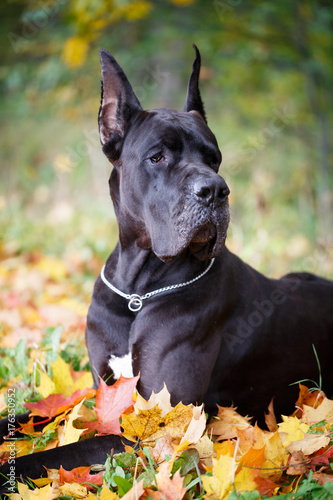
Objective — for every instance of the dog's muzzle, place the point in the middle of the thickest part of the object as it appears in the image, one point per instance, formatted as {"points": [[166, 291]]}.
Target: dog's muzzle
{"points": [[212, 210]]}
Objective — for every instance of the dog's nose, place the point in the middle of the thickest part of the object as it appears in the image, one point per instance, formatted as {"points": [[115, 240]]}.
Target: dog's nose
{"points": [[209, 190]]}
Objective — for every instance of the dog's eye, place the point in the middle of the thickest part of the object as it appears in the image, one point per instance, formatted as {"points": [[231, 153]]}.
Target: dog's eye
{"points": [[157, 158]]}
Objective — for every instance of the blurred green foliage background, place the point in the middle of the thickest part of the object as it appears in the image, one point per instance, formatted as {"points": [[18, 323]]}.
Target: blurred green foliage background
{"points": [[266, 80]]}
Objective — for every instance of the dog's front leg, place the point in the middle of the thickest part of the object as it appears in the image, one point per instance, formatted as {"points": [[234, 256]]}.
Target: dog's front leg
{"points": [[107, 335], [175, 352]]}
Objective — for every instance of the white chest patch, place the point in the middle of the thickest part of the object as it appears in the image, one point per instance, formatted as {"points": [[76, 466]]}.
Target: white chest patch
{"points": [[121, 366]]}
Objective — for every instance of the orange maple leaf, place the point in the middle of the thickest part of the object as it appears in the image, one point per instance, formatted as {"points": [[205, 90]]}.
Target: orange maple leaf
{"points": [[111, 402], [253, 458], [55, 404], [265, 486], [307, 397], [80, 475]]}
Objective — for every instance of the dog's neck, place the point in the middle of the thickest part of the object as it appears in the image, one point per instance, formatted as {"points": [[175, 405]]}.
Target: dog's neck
{"points": [[140, 271]]}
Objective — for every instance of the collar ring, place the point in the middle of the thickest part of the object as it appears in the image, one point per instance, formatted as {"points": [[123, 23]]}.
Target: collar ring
{"points": [[135, 302]]}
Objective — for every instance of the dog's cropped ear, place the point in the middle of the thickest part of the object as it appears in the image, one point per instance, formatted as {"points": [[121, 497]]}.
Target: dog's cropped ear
{"points": [[118, 105], [193, 98]]}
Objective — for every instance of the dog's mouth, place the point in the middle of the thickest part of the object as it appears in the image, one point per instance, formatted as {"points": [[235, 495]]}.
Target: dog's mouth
{"points": [[204, 240], [205, 243]]}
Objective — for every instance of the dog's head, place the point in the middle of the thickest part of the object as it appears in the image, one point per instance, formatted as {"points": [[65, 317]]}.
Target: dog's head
{"points": [[167, 193]]}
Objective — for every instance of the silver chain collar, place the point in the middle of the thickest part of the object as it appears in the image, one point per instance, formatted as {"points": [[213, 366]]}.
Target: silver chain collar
{"points": [[135, 301]]}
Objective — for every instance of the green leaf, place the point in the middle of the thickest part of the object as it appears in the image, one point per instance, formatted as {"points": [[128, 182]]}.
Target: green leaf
{"points": [[148, 478], [125, 460], [190, 461], [123, 485]]}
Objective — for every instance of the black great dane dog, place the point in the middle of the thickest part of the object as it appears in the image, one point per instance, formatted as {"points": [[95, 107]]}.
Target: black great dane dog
{"points": [[232, 335], [172, 302]]}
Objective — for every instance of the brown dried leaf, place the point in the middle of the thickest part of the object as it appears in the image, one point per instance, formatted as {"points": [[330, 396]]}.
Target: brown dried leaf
{"points": [[270, 418], [164, 446], [309, 444], [298, 464], [227, 422]]}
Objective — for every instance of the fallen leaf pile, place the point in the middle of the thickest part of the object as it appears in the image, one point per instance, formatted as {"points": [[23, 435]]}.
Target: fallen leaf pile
{"points": [[175, 453]]}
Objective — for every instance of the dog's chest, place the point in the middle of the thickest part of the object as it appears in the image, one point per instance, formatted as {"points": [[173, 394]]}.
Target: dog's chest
{"points": [[121, 365]]}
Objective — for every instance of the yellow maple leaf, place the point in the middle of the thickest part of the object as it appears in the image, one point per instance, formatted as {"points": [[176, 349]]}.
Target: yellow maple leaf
{"points": [[149, 425], [291, 429], [42, 481], [193, 432], [323, 412], [276, 458], [244, 480], [62, 382], [24, 493], [219, 485], [86, 380], [44, 493], [141, 425], [71, 434], [248, 466], [74, 490], [107, 494], [224, 448], [228, 474], [46, 385], [62, 377]]}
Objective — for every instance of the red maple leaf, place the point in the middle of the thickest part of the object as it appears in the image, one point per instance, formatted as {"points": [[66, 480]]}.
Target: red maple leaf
{"points": [[81, 475], [55, 404], [321, 458], [111, 402]]}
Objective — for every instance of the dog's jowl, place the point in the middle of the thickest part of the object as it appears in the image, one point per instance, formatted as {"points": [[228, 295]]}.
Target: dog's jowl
{"points": [[171, 299]]}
